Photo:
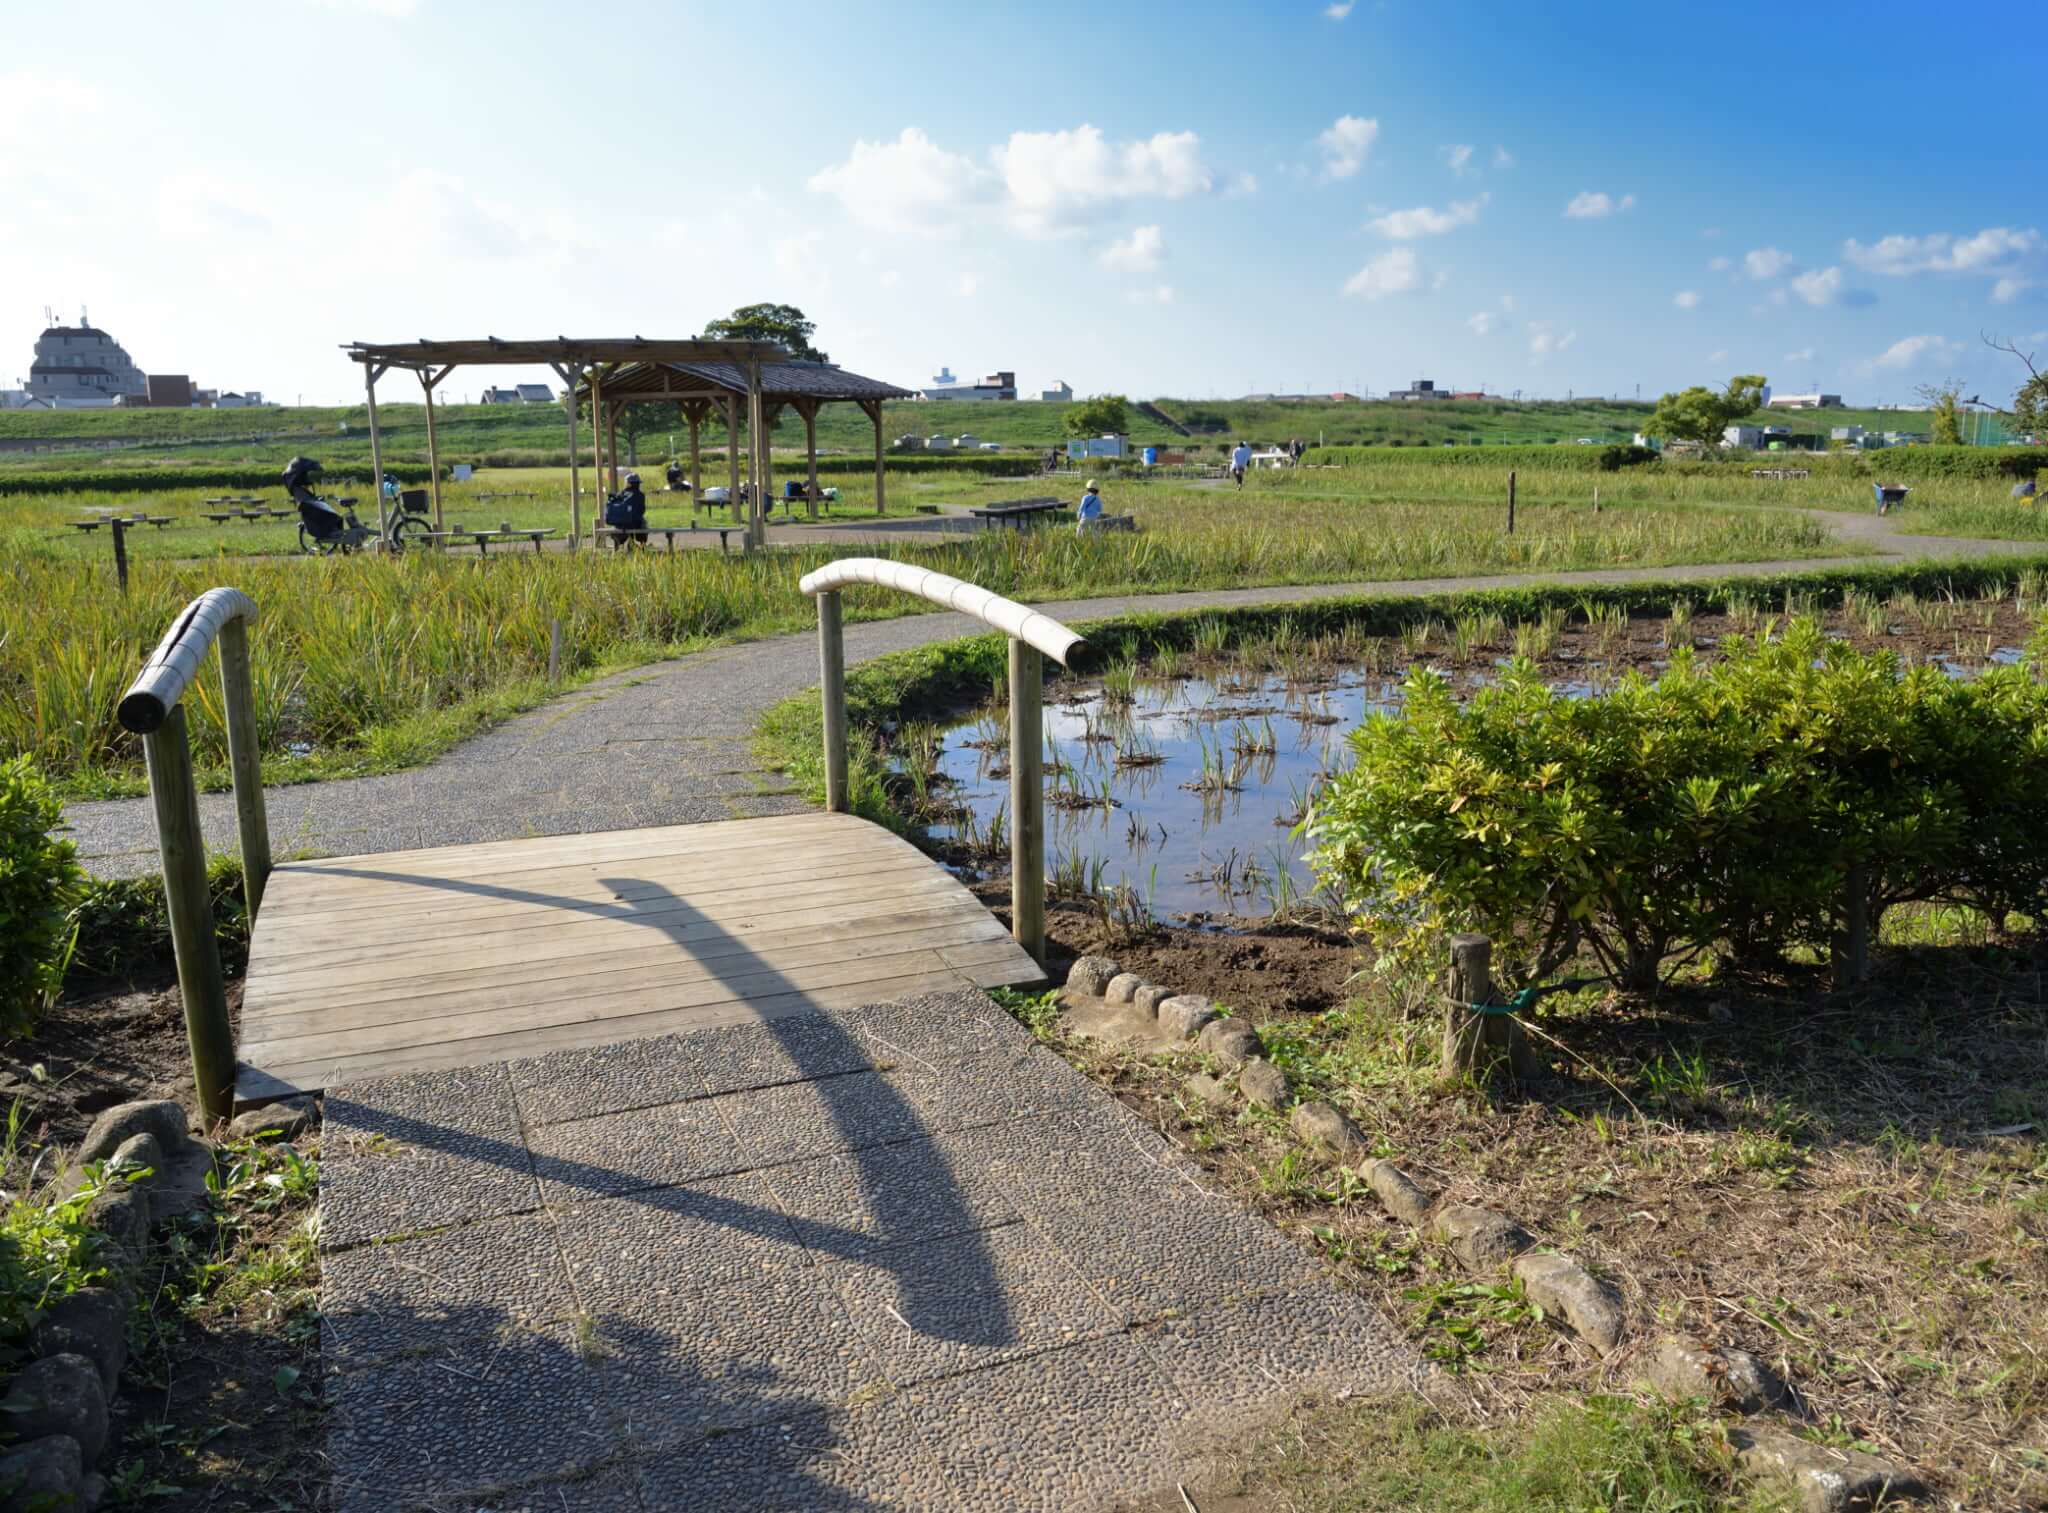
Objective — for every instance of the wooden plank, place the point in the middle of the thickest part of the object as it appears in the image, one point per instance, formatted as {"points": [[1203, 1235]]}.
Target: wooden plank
{"points": [[504, 983]]}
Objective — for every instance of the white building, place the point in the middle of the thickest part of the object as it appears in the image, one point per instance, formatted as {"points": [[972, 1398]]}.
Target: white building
{"points": [[233, 401], [82, 367], [1060, 392], [1802, 401], [999, 385]]}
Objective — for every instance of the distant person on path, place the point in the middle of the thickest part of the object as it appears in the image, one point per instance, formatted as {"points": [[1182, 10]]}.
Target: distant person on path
{"points": [[1294, 450], [2023, 490], [1052, 459], [1240, 459], [1089, 515], [626, 513], [675, 477]]}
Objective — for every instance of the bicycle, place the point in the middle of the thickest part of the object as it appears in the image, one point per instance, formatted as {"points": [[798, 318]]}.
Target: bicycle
{"points": [[407, 522]]}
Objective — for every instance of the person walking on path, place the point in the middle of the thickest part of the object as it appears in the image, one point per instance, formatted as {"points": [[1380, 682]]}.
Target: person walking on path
{"points": [[1090, 513], [1240, 459]]}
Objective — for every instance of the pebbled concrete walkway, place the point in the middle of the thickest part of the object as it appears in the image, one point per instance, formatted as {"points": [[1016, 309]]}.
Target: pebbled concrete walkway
{"points": [[672, 743], [896, 1257]]}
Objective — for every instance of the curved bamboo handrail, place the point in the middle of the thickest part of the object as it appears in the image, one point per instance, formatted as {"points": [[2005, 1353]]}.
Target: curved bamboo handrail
{"points": [[1018, 621], [177, 658]]}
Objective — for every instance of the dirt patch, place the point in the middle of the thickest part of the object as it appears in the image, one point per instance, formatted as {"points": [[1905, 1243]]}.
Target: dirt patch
{"points": [[109, 1045]]}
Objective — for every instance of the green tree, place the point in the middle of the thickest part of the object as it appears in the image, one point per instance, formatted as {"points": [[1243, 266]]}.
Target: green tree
{"points": [[1699, 414], [777, 323], [2030, 401], [1941, 401], [1104, 415]]}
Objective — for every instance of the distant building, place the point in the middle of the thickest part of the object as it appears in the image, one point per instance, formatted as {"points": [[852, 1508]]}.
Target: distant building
{"points": [[1422, 388], [21, 399], [1469, 394], [1000, 385], [1059, 393], [536, 394], [82, 367], [1803, 402], [168, 391], [233, 401], [498, 397], [1751, 437]]}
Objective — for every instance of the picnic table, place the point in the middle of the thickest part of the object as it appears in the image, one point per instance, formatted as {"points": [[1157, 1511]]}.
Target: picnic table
{"points": [[236, 499], [159, 521], [259, 512], [504, 496], [484, 538], [1019, 511], [673, 531], [1780, 473]]}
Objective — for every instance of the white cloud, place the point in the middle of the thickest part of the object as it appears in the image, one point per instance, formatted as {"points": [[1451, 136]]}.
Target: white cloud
{"points": [[1139, 252], [1991, 250], [1406, 225], [1686, 299], [1056, 177], [1804, 354], [1459, 157], [798, 256], [1346, 144], [1820, 287], [1158, 294], [1484, 323], [1592, 205], [1502, 158], [1718, 265], [1545, 339], [2008, 289], [1767, 262], [1392, 272], [1719, 354], [1242, 185], [967, 285], [910, 184], [1909, 350], [1337, 10]]}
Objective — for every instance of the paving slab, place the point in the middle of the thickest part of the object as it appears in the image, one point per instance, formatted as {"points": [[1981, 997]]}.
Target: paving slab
{"points": [[640, 1148], [605, 1079], [788, 1122], [869, 1459], [849, 1204], [674, 1242], [797, 1048]]}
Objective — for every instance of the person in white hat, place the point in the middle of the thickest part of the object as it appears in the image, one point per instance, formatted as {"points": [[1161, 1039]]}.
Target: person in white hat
{"points": [[1091, 509]]}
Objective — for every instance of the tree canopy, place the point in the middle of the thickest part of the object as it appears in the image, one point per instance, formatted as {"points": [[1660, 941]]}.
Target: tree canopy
{"points": [[1104, 415], [1699, 414], [1946, 429], [777, 323]]}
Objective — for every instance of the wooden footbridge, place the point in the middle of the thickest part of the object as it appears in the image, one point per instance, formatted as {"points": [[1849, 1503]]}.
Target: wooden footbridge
{"points": [[366, 966]]}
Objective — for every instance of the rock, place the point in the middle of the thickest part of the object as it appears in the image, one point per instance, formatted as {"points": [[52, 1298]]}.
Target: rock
{"points": [[1123, 987], [122, 1214], [1828, 1480], [1479, 1237], [1148, 998], [92, 1491], [140, 1153], [1091, 975], [1723, 1377], [60, 1395], [1210, 1091], [1230, 1041], [92, 1322], [1559, 1285], [290, 1117], [161, 1118], [44, 1473], [1264, 1083], [1319, 1124], [1399, 1194], [179, 1187], [1185, 1014]]}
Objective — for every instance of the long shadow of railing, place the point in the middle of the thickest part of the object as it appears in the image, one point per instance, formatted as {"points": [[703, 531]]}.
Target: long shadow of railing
{"points": [[818, 1047]]}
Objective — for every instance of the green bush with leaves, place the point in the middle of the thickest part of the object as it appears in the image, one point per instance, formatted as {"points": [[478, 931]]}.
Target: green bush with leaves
{"points": [[1722, 808], [40, 879]]}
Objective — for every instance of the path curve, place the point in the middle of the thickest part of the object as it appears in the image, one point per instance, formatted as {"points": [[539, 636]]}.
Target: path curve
{"points": [[672, 743]]}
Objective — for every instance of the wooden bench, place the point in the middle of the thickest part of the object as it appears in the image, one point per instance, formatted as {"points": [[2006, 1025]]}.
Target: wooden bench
{"points": [[159, 521], [483, 539], [673, 531], [1780, 473], [1021, 511], [221, 517]]}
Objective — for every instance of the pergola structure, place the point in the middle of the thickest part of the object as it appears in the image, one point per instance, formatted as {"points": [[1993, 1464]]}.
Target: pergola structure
{"points": [[700, 388], [433, 361]]}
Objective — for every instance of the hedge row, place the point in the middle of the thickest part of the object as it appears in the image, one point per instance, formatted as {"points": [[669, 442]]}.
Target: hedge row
{"points": [[121, 480], [1894, 462]]}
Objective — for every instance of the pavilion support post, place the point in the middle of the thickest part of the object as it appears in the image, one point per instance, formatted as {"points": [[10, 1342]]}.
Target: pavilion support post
{"points": [[757, 528], [696, 416], [611, 446], [575, 472], [207, 1031], [874, 409], [769, 415], [810, 413], [732, 457], [596, 449], [832, 694], [1027, 799], [371, 373], [433, 451]]}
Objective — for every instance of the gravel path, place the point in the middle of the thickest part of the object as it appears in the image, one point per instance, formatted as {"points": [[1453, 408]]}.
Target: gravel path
{"points": [[672, 743]]}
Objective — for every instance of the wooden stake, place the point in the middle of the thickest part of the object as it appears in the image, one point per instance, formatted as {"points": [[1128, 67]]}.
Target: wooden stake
{"points": [[1511, 501], [1027, 799], [120, 553], [1475, 1042], [832, 695], [245, 760], [1852, 946], [554, 650], [169, 761]]}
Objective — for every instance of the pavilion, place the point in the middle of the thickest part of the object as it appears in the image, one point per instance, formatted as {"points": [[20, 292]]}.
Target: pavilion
{"points": [[699, 375]]}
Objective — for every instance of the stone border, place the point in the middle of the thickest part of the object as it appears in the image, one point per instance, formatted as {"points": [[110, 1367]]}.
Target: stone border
{"points": [[59, 1404], [1486, 1242]]}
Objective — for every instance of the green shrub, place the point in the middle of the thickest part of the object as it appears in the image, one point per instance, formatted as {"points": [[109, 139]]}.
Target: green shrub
{"points": [[46, 1251], [173, 476], [1713, 809], [1614, 459], [39, 880], [124, 924]]}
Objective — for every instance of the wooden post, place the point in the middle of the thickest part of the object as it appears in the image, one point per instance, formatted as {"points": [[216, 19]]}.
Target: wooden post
{"points": [[245, 758], [810, 413], [575, 478], [1596, 498], [611, 446], [1852, 947], [832, 695], [769, 414], [183, 846], [696, 414], [371, 372], [1511, 501], [874, 409], [596, 449], [732, 456], [554, 650], [120, 529], [1475, 1041], [1027, 799], [757, 526], [433, 451]]}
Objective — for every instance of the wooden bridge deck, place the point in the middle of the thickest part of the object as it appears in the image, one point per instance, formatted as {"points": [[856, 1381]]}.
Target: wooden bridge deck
{"points": [[366, 966]]}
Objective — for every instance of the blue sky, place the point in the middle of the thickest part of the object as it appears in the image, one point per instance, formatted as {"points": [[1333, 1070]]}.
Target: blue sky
{"points": [[1203, 200]]}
